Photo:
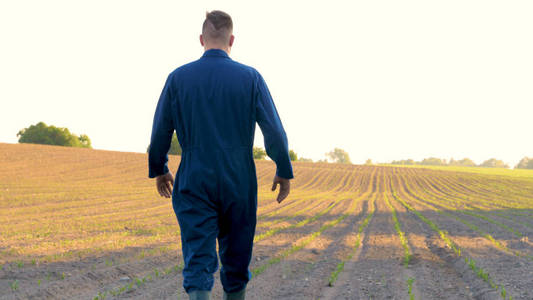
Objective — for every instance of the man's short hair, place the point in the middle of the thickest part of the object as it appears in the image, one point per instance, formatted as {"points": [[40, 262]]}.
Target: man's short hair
{"points": [[217, 26]]}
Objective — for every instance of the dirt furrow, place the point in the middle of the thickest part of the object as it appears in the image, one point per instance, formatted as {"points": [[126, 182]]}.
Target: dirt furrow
{"points": [[433, 264], [503, 234], [305, 273], [506, 269], [381, 255]]}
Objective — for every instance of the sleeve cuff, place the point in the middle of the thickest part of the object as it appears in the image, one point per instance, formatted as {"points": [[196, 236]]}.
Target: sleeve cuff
{"points": [[285, 173], [153, 173]]}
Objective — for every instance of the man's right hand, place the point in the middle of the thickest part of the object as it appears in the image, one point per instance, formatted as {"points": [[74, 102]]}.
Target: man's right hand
{"points": [[284, 187], [164, 184]]}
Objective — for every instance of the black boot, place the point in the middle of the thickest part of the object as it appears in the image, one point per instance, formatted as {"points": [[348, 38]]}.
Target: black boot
{"points": [[200, 295], [236, 295]]}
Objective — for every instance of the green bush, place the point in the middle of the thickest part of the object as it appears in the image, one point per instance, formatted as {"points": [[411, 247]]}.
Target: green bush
{"points": [[41, 133]]}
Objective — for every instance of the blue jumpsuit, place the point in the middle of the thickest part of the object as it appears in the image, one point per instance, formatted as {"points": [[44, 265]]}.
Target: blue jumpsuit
{"points": [[213, 104]]}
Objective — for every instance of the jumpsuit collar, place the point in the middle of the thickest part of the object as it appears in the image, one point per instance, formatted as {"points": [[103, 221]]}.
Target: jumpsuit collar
{"points": [[215, 53]]}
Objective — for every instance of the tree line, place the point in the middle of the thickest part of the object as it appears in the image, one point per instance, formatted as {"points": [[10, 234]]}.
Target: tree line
{"points": [[525, 163], [337, 155], [41, 133]]}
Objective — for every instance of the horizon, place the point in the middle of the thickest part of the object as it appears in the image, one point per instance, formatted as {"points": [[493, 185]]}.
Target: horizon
{"points": [[408, 80], [390, 163]]}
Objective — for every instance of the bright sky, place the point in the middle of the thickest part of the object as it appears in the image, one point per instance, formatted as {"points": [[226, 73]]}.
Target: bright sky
{"points": [[381, 79]]}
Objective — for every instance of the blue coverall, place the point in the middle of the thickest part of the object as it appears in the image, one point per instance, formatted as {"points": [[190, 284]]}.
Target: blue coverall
{"points": [[213, 104]]}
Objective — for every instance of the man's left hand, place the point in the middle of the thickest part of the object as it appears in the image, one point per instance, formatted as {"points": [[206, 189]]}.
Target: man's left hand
{"points": [[284, 187], [164, 184]]}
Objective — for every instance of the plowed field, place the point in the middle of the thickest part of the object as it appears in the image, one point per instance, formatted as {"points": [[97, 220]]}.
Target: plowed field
{"points": [[86, 224]]}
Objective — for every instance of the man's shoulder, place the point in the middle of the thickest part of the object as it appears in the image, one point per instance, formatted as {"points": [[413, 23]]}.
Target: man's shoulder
{"points": [[246, 70], [184, 68], [253, 71], [229, 65], [244, 66]]}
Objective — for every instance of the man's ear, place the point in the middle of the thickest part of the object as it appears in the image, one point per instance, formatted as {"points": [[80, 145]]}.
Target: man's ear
{"points": [[231, 39], [202, 40]]}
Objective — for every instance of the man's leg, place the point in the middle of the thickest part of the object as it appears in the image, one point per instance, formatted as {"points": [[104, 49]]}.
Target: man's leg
{"points": [[237, 228], [199, 228]]}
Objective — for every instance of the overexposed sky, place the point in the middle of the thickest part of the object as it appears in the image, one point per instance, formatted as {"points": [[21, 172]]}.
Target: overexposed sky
{"points": [[381, 79]]}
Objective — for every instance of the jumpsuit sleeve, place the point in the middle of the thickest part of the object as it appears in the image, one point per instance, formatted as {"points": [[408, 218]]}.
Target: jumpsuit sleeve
{"points": [[276, 143], [162, 131]]}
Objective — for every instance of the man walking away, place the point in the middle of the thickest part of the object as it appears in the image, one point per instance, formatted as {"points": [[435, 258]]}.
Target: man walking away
{"points": [[213, 104]]}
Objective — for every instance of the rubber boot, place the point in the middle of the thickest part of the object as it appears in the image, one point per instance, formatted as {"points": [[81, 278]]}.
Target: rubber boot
{"points": [[200, 295], [236, 295]]}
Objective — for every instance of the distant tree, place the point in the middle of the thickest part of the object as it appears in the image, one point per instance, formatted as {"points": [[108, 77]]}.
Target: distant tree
{"points": [[175, 147], [339, 156], [368, 162], [293, 156], [530, 164], [465, 162], [433, 161], [525, 163], [41, 133], [303, 159], [259, 153], [403, 162], [493, 163], [85, 141]]}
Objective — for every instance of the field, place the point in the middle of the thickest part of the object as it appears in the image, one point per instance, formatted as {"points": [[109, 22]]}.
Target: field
{"points": [[87, 224]]}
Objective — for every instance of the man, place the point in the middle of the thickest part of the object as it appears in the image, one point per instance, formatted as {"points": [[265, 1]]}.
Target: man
{"points": [[213, 104]]}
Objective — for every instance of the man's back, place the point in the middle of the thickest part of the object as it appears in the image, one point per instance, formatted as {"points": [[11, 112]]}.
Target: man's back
{"points": [[214, 103], [214, 113]]}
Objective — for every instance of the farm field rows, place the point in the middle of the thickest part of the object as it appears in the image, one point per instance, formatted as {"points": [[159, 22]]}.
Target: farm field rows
{"points": [[89, 224]]}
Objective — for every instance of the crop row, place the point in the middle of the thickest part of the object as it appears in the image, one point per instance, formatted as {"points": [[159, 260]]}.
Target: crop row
{"points": [[434, 203], [479, 271]]}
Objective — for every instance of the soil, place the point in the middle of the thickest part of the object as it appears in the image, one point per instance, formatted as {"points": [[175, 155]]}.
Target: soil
{"points": [[331, 201]]}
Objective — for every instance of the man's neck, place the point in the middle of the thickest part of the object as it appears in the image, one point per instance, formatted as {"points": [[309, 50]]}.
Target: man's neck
{"points": [[225, 49]]}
